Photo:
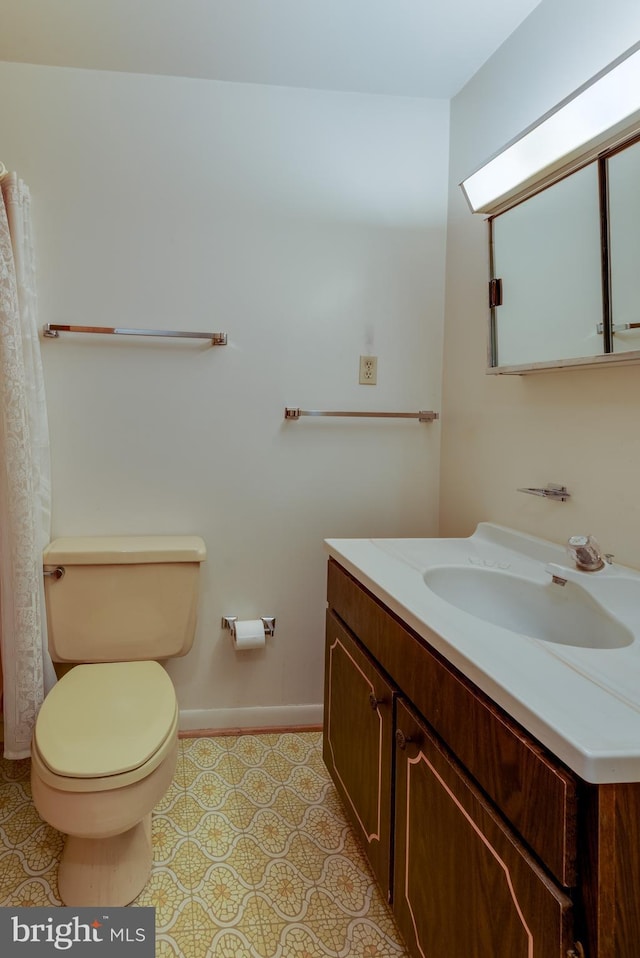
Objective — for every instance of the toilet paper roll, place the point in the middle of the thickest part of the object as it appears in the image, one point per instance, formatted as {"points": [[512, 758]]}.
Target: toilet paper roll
{"points": [[249, 635]]}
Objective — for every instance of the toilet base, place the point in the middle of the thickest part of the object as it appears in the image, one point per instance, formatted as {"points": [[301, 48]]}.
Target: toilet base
{"points": [[106, 871]]}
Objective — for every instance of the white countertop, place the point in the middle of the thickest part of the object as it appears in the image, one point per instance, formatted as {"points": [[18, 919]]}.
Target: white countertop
{"points": [[583, 704]]}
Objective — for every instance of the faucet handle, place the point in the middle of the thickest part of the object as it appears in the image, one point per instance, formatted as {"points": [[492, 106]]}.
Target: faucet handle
{"points": [[585, 552]]}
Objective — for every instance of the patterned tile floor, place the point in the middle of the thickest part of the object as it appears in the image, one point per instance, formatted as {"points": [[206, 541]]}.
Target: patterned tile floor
{"points": [[253, 857]]}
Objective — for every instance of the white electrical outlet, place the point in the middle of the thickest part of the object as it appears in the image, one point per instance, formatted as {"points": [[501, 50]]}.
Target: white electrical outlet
{"points": [[368, 370]]}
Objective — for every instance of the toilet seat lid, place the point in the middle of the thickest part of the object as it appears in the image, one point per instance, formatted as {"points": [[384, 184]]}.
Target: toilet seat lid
{"points": [[105, 719]]}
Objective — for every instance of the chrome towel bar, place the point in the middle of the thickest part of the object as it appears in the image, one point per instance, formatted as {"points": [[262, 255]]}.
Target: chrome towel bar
{"points": [[53, 330], [425, 415]]}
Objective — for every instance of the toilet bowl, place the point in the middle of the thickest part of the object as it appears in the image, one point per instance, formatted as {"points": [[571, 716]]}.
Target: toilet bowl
{"points": [[105, 744], [103, 754]]}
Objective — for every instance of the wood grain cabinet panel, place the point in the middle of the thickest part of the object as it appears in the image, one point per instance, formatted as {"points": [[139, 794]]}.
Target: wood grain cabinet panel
{"points": [[358, 743], [463, 884], [610, 869]]}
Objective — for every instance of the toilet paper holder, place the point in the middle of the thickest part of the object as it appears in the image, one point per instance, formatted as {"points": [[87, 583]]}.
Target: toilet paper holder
{"points": [[268, 621]]}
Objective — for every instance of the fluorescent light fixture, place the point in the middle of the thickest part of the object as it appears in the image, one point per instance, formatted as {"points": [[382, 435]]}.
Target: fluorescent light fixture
{"points": [[590, 116]]}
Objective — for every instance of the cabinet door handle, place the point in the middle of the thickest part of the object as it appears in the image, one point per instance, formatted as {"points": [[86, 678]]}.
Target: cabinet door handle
{"points": [[402, 740], [374, 702]]}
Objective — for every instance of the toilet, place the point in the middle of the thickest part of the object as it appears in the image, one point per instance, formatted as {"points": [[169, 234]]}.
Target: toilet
{"points": [[105, 744]]}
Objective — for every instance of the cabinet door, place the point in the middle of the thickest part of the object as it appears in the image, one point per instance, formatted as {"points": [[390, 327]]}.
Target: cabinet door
{"points": [[547, 253], [358, 743], [464, 885]]}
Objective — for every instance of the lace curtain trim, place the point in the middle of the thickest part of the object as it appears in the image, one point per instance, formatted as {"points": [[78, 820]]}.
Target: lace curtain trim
{"points": [[24, 476]]}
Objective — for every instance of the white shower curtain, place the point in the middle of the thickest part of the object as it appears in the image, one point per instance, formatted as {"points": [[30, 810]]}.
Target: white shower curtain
{"points": [[25, 484]]}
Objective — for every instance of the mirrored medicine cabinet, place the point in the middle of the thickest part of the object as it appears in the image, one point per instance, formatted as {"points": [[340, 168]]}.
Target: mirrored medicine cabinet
{"points": [[565, 270]]}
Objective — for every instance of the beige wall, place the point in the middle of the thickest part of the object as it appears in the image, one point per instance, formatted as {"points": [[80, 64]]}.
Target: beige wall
{"points": [[310, 226], [580, 428]]}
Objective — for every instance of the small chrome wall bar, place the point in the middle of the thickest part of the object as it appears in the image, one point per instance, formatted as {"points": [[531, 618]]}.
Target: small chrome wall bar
{"points": [[426, 415], [551, 491], [268, 621], [53, 330]]}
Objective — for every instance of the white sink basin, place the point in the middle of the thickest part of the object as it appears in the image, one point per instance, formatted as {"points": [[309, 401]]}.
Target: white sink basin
{"points": [[566, 615]]}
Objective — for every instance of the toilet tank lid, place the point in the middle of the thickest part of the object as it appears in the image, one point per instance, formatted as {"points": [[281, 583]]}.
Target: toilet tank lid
{"points": [[123, 550]]}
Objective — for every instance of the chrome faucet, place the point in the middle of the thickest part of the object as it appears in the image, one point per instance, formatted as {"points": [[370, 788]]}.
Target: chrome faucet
{"points": [[585, 552]]}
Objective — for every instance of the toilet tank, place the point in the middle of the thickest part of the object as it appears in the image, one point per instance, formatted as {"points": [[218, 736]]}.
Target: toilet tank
{"points": [[122, 598]]}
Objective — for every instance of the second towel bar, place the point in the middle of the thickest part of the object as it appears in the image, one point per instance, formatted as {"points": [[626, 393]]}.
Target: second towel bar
{"points": [[425, 415]]}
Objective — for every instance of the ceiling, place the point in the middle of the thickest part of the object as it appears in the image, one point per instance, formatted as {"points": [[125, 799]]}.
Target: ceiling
{"points": [[424, 48]]}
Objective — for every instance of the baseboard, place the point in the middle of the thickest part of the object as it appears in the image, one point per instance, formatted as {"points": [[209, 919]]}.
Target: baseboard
{"points": [[271, 717]]}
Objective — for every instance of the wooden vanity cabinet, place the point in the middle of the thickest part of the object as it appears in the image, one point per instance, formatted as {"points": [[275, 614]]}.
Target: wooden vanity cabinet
{"points": [[486, 844], [429, 808], [534, 792]]}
